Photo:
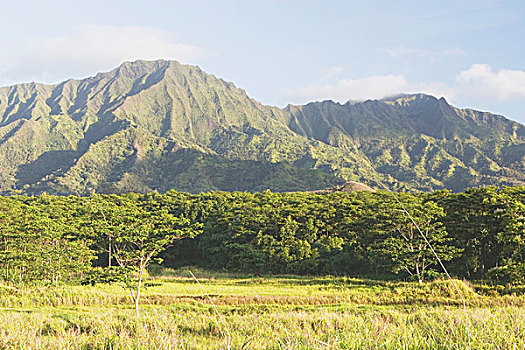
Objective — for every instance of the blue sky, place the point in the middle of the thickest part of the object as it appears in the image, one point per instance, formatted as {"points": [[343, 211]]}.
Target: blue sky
{"points": [[287, 51]]}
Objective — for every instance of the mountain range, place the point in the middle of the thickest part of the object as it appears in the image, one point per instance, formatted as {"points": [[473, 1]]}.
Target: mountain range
{"points": [[161, 125]]}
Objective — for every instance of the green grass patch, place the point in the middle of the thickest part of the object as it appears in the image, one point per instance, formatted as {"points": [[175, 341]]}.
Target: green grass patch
{"points": [[268, 312]]}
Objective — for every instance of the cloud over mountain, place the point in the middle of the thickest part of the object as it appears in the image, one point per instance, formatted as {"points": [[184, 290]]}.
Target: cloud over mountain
{"points": [[475, 85], [91, 48]]}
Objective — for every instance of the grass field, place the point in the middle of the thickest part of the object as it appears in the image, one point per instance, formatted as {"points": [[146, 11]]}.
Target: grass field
{"points": [[282, 312]]}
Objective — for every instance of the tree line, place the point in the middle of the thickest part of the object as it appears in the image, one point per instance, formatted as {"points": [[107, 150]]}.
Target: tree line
{"points": [[478, 234]]}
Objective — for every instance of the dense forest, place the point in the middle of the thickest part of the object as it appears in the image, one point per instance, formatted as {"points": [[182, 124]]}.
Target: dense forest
{"points": [[478, 234]]}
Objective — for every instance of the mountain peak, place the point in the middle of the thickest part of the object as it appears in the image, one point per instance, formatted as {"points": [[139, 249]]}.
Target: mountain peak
{"points": [[402, 99], [164, 125], [138, 68]]}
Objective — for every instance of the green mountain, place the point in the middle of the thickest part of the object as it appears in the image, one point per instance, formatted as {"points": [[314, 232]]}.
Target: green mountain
{"points": [[162, 125]]}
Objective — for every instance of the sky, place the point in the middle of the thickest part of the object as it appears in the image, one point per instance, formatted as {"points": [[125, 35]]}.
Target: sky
{"points": [[284, 51]]}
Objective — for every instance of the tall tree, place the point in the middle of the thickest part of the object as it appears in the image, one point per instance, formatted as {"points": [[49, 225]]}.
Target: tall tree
{"points": [[476, 219], [396, 239]]}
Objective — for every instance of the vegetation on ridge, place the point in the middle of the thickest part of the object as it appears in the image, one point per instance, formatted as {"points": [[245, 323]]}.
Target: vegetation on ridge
{"points": [[162, 125]]}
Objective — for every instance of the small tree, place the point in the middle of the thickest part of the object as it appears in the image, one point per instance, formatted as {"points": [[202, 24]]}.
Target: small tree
{"points": [[141, 230]]}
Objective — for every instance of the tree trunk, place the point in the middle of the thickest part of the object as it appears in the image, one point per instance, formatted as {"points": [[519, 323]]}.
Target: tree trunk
{"points": [[137, 306], [418, 274], [137, 297], [482, 268], [109, 252]]}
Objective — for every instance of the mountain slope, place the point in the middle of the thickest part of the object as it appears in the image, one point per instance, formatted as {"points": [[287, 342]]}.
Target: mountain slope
{"points": [[160, 125], [420, 140]]}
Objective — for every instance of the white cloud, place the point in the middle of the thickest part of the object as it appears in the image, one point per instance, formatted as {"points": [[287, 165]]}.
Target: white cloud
{"points": [[415, 53], [477, 85], [332, 72], [480, 81], [355, 89], [373, 87], [412, 52], [92, 48], [454, 52]]}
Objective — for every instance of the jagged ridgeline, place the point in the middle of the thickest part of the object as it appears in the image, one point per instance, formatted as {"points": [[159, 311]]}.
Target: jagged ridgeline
{"points": [[160, 125]]}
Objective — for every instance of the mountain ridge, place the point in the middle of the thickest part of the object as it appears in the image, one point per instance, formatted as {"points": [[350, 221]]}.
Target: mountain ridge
{"points": [[117, 131]]}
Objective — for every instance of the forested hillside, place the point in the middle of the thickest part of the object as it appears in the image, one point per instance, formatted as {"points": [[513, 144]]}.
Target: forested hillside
{"points": [[161, 125]]}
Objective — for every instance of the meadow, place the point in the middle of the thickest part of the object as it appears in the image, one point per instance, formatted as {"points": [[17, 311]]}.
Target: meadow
{"points": [[224, 310]]}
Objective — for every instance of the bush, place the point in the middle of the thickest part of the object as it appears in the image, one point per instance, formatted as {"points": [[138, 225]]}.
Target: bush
{"points": [[511, 273], [104, 275]]}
